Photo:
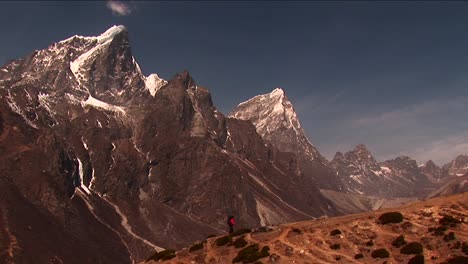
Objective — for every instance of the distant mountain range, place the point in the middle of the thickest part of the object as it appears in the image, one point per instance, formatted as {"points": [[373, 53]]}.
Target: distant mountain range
{"points": [[98, 158]]}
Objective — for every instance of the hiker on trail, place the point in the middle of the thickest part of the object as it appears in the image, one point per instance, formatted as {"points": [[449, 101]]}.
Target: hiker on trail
{"points": [[231, 223]]}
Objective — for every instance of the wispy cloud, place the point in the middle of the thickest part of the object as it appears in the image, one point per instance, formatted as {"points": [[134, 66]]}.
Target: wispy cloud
{"points": [[412, 113], [119, 8]]}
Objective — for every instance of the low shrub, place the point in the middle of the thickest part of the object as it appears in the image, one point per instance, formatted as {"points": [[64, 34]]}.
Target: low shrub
{"points": [[335, 232], [358, 256], [406, 225], [297, 230], [418, 259], [240, 232], [449, 237], [251, 254], [335, 246], [240, 242], [262, 229], [197, 246], [391, 217], [456, 245], [412, 248], [370, 243], [399, 241], [465, 248], [438, 231], [223, 240], [457, 260], [448, 220], [163, 255], [380, 253]]}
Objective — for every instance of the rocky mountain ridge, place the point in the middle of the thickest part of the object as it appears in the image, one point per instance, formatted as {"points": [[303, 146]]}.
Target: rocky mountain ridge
{"points": [[114, 160]]}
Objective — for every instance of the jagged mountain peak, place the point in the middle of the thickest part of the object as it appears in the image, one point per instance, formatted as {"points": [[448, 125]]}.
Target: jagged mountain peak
{"points": [[430, 164], [277, 93], [457, 167], [275, 119], [403, 161], [359, 155], [432, 171], [460, 160], [186, 78], [362, 151], [361, 147]]}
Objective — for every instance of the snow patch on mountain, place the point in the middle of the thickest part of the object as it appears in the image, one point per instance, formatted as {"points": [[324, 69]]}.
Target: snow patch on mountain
{"points": [[80, 171], [102, 41], [153, 83], [103, 105]]}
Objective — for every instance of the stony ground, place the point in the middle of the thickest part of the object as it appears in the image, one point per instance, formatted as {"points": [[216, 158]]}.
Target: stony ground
{"points": [[312, 242]]}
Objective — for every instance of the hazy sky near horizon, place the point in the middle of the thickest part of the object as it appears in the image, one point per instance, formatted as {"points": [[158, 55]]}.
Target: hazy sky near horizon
{"points": [[390, 75]]}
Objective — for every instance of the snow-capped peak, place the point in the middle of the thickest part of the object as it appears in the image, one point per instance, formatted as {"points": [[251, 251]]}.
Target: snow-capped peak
{"points": [[103, 40], [278, 92], [275, 120], [109, 34]]}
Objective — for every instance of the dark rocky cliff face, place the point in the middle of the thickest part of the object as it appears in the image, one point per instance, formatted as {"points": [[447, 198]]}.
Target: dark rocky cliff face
{"points": [[91, 159]]}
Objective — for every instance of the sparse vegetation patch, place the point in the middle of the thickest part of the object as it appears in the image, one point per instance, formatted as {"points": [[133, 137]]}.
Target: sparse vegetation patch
{"points": [[448, 220], [465, 248], [240, 242], [391, 217], [163, 255], [449, 237], [399, 241], [223, 240], [241, 232], [457, 260], [251, 254], [358, 256], [262, 229], [296, 230], [335, 232], [335, 246], [197, 246], [438, 231]]}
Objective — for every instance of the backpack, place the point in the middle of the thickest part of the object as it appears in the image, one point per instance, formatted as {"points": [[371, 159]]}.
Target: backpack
{"points": [[232, 222]]}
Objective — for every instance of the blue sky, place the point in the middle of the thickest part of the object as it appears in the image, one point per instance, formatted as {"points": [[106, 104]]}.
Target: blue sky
{"points": [[390, 75]]}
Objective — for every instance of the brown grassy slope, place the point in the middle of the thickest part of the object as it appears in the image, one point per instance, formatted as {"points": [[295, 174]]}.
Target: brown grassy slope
{"points": [[310, 241]]}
